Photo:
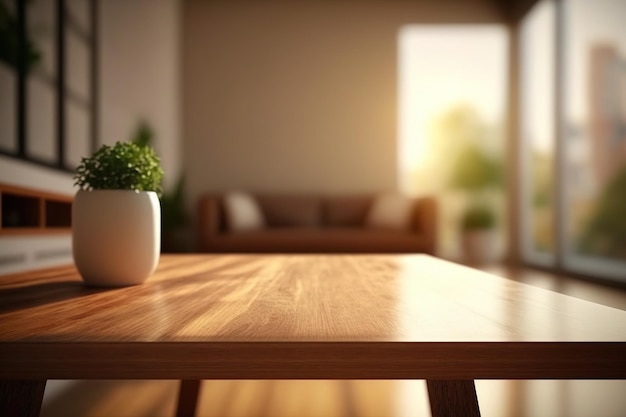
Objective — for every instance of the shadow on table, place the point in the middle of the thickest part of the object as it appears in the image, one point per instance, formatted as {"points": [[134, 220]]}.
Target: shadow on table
{"points": [[34, 295]]}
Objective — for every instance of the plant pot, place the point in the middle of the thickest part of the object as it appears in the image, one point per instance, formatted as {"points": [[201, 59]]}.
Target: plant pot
{"points": [[479, 246], [116, 236]]}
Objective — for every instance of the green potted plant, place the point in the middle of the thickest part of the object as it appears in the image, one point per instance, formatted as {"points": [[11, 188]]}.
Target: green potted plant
{"points": [[476, 173], [478, 217], [116, 216]]}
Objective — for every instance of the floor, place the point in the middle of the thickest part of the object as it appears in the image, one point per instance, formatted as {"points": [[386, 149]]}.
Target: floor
{"points": [[357, 398]]}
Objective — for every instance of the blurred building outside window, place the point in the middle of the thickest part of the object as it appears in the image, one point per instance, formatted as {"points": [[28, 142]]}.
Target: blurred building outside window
{"points": [[591, 60], [594, 137]]}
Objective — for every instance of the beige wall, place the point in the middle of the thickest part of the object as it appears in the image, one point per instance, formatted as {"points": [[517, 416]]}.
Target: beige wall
{"points": [[298, 96]]}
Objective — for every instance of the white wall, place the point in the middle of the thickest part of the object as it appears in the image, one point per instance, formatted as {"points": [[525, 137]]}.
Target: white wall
{"points": [[298, 96]]}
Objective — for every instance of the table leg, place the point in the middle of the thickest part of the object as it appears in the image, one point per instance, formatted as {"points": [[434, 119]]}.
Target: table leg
{"points": [[453, 398], [188, 397], [21, 398]]}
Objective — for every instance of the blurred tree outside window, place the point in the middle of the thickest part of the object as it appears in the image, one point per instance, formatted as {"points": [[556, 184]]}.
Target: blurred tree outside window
{"points": [[452, 105]]}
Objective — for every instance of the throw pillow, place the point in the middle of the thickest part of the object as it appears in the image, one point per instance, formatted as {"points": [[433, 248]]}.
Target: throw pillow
{"points": [[242, 212], [391, 212]]}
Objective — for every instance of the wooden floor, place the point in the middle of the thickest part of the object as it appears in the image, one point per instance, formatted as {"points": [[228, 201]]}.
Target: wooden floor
{"points": [[356, 398]]}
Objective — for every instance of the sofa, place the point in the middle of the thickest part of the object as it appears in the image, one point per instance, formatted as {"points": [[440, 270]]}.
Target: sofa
{"points": [[307, 223]]}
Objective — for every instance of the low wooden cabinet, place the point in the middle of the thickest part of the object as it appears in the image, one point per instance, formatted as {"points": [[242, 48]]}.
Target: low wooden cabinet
{"points": [[30, 211]]}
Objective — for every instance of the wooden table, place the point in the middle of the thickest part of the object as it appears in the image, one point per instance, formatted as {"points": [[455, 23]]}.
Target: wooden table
{"points": [[300, 317]]}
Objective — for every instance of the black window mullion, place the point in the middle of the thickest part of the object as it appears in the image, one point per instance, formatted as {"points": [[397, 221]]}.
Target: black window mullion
{"points": [[20, 8], [95, 109], [60, 44]]}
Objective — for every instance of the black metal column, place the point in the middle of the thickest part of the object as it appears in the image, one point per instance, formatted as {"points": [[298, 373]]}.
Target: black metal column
{"points": [[60, 83], [22, 67]]}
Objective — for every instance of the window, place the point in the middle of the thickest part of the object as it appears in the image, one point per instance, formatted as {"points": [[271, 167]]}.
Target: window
{"points": [[573, 189], [47, 67], [452, 95]]}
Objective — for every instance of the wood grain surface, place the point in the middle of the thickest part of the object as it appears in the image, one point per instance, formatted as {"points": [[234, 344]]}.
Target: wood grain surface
{"points": [[308, 316]]}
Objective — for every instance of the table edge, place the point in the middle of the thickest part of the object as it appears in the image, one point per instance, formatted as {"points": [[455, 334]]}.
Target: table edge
{"points": [[313, 360]]}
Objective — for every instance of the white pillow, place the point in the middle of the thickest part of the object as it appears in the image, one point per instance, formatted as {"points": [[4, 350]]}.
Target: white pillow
{"points": [[391, 212], [242, 212]]}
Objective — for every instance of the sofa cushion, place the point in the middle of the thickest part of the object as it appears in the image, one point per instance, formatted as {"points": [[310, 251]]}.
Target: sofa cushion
{"points": [[291, 210], [346, 211], [242, 212], [390, 211]]}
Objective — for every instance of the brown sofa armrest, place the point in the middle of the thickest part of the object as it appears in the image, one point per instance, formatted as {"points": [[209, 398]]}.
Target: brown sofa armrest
{"points": [[425, 221], [209, 221]]}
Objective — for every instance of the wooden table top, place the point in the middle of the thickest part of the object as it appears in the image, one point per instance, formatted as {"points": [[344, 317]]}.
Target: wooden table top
{"points": [[397, 315]]}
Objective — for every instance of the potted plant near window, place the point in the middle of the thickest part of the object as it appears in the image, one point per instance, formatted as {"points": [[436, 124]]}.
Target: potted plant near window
{"points": [[477, 173], [478, 233], [116, 216]]}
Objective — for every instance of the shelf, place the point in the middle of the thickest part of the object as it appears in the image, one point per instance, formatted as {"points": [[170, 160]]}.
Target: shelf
{"points": [[19, 211], [58, 214], [26, 211]]}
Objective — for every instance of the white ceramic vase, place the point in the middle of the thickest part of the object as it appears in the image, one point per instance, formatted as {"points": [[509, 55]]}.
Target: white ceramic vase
{"points": [[479, 246], [116, 236]]}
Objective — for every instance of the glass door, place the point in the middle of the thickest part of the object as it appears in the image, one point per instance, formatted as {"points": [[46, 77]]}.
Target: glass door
{"points": [[594, 138], [573, 137]]}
